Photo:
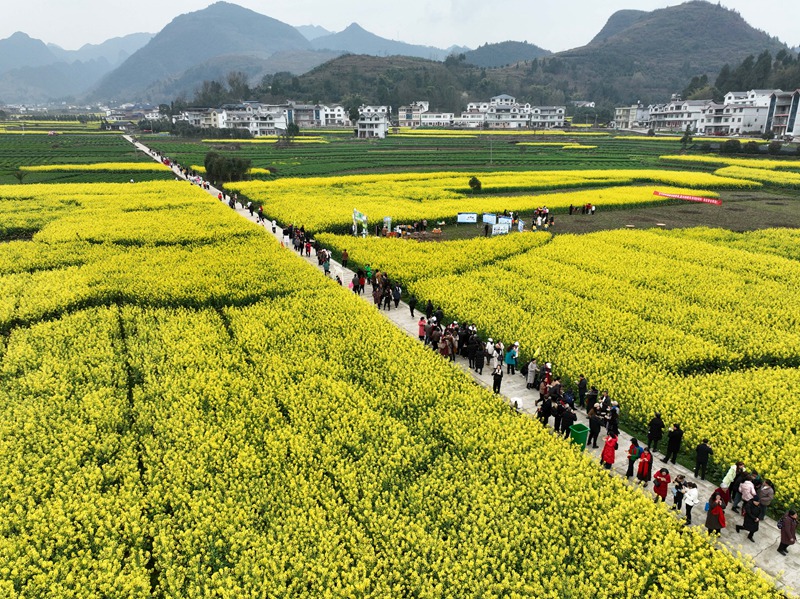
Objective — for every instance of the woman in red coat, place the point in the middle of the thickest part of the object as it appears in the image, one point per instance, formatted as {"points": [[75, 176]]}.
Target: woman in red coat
{"points": [[608, 453], [661, 484], [645, 471]]}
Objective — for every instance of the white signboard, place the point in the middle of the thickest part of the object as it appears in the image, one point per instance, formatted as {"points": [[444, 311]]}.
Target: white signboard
{"points": [[467, 217], [490, 218], [504, 220], [520, 225], [500, 229]]}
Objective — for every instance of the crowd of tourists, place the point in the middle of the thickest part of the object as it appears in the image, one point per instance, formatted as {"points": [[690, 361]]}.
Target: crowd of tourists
{"points": [[740, 490], [744, 492]]}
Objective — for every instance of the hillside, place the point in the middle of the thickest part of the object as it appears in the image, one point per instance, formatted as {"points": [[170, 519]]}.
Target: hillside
{"points": [[357, 40], [391, 80], [216, 69], [56, 81], [657, 53], [21, 50], [115, 50], [645, 57], [619, 21], [222, 29], [504, 53]]}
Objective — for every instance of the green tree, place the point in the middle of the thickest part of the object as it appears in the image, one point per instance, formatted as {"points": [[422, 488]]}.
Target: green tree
{"points": [[19, 175], [475, 184], [731, 146], [222, 169], [238, 86], [687, 137], [292, 131]]}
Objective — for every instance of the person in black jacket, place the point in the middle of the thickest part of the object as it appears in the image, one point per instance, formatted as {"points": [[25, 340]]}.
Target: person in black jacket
{"points": [[674, 438], [567, 420], [701, 463], [595, 422], [582, 386], [752, 516], [655, 432], [428, 310]]}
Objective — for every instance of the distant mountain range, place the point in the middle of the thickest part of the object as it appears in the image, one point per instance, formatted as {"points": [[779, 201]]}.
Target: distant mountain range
{"points": [[32, 71], [637, 55]]}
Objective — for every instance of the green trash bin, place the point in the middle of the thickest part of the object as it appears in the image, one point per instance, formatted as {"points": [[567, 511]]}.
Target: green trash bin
{"points": [[579, 433]]}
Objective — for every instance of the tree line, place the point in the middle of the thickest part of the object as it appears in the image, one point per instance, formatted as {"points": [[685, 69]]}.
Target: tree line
{"points": [[754, 72]]}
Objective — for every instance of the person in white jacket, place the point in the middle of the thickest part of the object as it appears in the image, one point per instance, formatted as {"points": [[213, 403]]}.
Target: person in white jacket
{"points": [[690, 499]]}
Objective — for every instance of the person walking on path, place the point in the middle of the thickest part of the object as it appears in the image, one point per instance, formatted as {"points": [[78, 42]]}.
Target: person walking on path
{"points": [[533, 371], [511, 359], [655, 432], [568, 418], [690, 500], [608, 454], [595, 422], [752, 516], [704, 452], [661, 484], [634, 453], [766, 493], [428, 310], [745, 492], [734, 471], [645, 471], [412, 304], [583, 384], [480, 356], [788, 527], [421, 328], [345, 258], [497, 378], [715, 520], [679, 488], [674, 438], [397, 293]]}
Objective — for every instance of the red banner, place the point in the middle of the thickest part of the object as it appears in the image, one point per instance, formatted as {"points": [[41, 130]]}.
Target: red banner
{"points": [[678, 196]]}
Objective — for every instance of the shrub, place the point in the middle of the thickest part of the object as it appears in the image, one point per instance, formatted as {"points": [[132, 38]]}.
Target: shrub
{"points": [[732, 146]]}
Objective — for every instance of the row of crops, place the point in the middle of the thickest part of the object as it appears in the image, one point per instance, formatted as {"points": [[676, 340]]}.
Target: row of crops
{"points": [[180, 419], [699, 325]]}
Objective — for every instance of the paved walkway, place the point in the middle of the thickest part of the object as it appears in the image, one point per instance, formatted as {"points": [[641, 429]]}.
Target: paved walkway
{"points": [[763, 553]]}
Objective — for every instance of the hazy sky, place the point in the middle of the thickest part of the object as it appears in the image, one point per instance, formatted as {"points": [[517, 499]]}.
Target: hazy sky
{"points": [[552, 25]]}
